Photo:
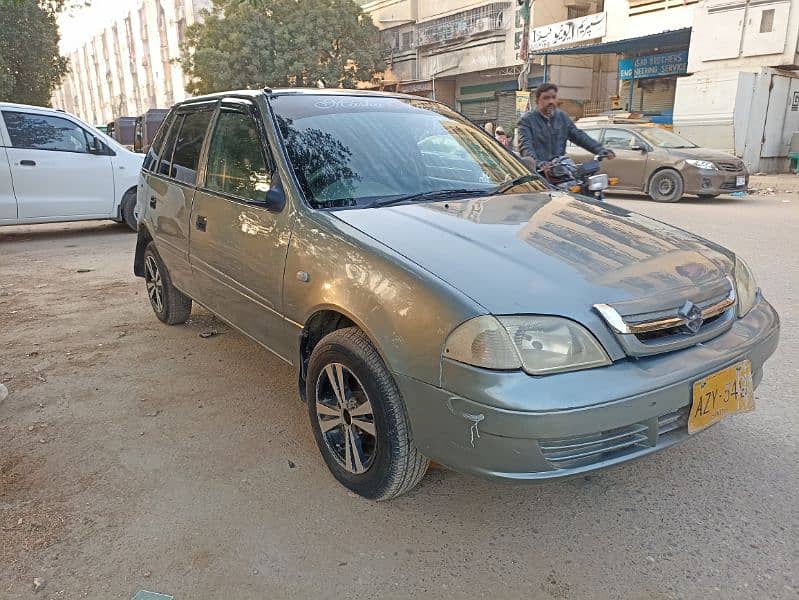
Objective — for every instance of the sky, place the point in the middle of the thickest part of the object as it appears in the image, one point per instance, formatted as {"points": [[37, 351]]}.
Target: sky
{"points": [[79, 25]]}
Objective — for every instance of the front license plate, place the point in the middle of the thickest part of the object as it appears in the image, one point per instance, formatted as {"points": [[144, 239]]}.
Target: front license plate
{"points": [[723, 393], [740, 181]]}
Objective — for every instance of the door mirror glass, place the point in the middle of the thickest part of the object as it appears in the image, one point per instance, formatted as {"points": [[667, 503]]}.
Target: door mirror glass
{"points": [[96, 146]]}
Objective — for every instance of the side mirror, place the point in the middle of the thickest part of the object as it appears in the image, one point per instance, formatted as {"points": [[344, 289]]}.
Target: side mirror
{"points": [[637, 147], [274, 198], [95, 146]]}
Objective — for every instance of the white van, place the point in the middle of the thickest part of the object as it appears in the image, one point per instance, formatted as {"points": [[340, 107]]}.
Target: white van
{"points": [[54, 167]]}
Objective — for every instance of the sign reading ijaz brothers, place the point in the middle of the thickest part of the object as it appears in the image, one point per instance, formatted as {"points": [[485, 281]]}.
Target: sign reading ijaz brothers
{"points": [[568, 32], [654, 65]]}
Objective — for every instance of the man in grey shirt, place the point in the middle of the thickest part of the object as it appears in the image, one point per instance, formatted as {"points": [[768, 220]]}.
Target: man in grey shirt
{"points": [[544, 131]]}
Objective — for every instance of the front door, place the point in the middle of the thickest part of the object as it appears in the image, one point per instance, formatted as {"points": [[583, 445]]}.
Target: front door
{"points": [[630, 162], [237, 249], [54, 173]]}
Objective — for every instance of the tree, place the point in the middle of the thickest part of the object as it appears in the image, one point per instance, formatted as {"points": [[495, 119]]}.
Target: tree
{"points": [[30, 64], [257, 43]]}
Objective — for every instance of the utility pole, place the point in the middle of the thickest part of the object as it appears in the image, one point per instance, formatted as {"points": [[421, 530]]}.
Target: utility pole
{"points": [[524, 50]]}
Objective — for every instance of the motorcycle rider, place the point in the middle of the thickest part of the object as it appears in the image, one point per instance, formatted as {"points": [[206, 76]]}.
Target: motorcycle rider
{"points": [[544, 131]]}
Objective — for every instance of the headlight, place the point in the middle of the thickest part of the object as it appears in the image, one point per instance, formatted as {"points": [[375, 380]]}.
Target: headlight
{"points": [[539, 345], [702, 164], [745, 287]]}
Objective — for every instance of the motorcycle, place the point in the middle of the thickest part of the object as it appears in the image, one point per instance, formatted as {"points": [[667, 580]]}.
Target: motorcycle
{"points": [[564, 174]]}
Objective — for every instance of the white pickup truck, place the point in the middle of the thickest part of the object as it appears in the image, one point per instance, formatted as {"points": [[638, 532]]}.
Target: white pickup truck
{"points": [[54, 167]]}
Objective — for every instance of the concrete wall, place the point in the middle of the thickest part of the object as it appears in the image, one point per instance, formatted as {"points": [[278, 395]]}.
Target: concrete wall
{"points": [[622, 25], [727, 35]]}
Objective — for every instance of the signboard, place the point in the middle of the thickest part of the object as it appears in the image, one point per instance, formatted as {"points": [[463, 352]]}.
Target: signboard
{"points": [[569, 32], [522, 103], [654, 65], [794, 102]]}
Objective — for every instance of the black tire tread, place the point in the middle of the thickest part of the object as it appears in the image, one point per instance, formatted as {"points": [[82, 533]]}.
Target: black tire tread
{"points": [[667, 171], [127, 209], [408, 466], [177, 306]]}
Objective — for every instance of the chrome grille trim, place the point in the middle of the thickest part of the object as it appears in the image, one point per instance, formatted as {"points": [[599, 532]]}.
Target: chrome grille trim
{"points": [[664, 330]]}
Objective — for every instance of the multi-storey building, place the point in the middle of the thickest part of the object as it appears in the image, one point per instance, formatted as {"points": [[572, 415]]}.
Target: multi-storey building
{"points": [[129, 66], [467, 53]]}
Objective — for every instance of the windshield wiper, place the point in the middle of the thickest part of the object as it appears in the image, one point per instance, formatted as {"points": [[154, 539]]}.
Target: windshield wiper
{"points": [[508, 185], [433, 195]]}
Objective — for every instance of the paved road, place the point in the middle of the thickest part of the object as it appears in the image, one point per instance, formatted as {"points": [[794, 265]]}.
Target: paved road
{"points": [[150, 458]]}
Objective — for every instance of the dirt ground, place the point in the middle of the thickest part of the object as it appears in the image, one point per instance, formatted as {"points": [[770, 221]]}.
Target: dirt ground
{"points": [[139, 456]]}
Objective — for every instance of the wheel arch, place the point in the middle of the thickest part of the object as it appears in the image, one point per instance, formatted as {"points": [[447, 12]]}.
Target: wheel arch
{"points": [[142, 239], [660, 169]]}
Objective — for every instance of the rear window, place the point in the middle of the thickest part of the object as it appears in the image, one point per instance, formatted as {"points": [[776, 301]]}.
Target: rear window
{"points": [[188, 146], [151, 160]]}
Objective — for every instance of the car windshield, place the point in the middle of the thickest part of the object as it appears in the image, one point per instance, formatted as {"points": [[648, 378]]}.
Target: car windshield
{"points": [[366, 150], [663, 138]]}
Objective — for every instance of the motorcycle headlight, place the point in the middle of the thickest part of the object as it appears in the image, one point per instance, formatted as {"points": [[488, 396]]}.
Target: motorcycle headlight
{"points": [[702, 164], [538, 345], [745, 287]]}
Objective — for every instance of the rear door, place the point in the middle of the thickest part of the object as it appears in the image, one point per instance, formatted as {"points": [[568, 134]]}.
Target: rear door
{"points": [[168, 189], [238, 249], [53, 172], [631, 156], [8, 203]]}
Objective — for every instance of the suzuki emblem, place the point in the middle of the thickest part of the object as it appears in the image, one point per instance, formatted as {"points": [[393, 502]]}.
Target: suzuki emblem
{"points": [[692, 315]]}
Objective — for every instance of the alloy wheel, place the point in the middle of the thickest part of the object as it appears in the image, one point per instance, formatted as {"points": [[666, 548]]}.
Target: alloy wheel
{"points": [[154, 283], [346, 418]]}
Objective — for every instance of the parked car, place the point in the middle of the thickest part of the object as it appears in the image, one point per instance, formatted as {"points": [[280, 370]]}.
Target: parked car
{"points": [[146, 127], [661, 163], [54, 167], [454, 309]]}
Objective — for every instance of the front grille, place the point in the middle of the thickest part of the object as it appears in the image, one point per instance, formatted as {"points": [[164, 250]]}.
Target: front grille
{"points": [[732, 166], [654, 332], [595, 448], [673, 421]]}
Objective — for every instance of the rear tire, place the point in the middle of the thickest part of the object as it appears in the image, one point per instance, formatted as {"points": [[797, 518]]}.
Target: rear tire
{"points": [[366, 442], [169, 304], [128, 210], [666, 186]]}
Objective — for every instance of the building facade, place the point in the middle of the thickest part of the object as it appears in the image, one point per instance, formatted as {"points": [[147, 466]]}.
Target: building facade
{"points": [[129, 66], [743, 92], [467, 53]]}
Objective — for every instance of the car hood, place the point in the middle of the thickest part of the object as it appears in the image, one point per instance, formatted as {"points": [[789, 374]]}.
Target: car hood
{"points": [[547, 253], [701, 154]]}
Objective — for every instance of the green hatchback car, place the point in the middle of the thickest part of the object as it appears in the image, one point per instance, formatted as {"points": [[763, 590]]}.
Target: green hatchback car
{"points": [[438, 300]]}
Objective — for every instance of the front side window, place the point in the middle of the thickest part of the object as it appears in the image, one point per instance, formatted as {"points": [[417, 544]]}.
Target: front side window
{"points": [[236, 163], [45, 132], [188, 145], [619, 139], [358, 151]]}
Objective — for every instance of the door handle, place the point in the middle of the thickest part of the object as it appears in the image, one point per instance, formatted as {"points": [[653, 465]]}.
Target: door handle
{"points": [[153, 201], [201, 222], [28, 163]]}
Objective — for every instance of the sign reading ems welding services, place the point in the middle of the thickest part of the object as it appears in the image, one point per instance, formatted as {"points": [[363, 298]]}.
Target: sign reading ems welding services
{"points": [[654, 65]]}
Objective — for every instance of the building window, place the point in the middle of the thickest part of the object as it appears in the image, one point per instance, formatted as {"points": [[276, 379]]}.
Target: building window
{"points": [[407, 40], [767, 21], [477, 20], [517, 40], [577, 11]]}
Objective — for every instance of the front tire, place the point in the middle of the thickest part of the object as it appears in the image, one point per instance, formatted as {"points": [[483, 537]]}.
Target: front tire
{"points": [[358, 418], [666, 186], [169, 304], [128, 210]]}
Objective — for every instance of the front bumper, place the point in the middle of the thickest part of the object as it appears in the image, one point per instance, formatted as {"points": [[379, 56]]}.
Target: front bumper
{"points": [[712, 183], [514, 426]]}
